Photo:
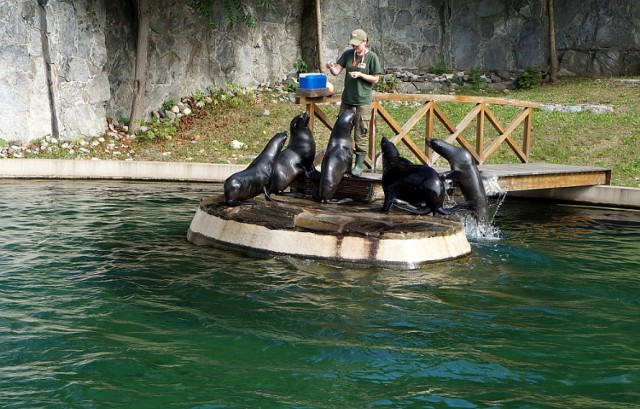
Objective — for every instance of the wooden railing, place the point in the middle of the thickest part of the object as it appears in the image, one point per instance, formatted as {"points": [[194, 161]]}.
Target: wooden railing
{"points": [[430, 110]]}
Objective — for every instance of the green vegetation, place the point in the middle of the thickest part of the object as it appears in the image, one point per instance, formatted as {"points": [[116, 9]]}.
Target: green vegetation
{"points": [[440, 68], [234, 11], [610, 139], [168, 104], [530, 78], [290, 85], [475, 77], [160, 129], [301, 66]]}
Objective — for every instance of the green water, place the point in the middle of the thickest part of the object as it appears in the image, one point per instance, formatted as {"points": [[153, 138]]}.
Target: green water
{"points": [[104, 304]]}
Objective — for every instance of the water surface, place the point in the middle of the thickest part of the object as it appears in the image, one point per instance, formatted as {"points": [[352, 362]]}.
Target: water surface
{"points": [[105, 304]]}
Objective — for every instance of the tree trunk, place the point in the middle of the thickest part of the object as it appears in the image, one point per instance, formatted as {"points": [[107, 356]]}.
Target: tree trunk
{"points": [[553, 56], [140, 76], [319, 33]]}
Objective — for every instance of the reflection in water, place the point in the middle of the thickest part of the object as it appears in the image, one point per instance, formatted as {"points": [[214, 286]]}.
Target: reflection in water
{"points": [[104, 303]]}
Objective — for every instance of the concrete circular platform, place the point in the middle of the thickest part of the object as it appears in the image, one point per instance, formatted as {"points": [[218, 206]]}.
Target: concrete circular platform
{"points": [[351, 232]]}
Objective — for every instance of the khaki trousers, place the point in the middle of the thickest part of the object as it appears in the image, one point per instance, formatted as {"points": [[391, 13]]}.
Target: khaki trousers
{"points": [[360, 126]]}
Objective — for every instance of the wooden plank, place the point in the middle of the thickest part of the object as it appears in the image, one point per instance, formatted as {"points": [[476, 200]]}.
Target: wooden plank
{"points": [[430, 108], [313, 92], [403, 134], [506, 134], [381, 96], [549, 181], [322, 117], [512, 169], [526, 137], [480, 132], [302, 100], [457, 135], [360, 189], [511, 177]]}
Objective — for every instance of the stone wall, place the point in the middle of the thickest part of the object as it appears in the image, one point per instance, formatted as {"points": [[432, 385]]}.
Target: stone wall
{"points": [[185, 55], [52, 69], [67, 65], [598, 38]]}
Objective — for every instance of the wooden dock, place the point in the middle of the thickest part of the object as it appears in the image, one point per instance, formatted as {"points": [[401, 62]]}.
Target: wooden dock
{"points": [[508, 178], [479, 124], [533, 176]]}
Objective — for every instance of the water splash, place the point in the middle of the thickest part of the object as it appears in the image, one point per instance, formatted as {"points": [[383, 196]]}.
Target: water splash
{"points": [[495, 197], [480, 231]]}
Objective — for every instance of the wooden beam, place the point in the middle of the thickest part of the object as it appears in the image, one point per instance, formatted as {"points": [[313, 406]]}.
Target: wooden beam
{"points": [[526, 137], [506, 134], [480, 132], [456, 136], [428, 132], [371, 153], [386, 116], [549, 181], [381, 96], [431, 110]]}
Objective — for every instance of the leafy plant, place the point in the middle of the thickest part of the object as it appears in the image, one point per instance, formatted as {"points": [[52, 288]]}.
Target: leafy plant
{"points": [[475, 77], [301, 66], [199, 96], [160, 129], [441, 68], [234, 11], [231, 94], [290, 85], [167, 105], [529, 79]]}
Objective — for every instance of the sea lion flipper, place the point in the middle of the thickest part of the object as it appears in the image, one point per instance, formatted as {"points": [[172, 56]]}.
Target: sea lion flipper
{"points": [[462, 206], [268, 196], [452, 175], [447, 211], [338, 201], [400, 204]]}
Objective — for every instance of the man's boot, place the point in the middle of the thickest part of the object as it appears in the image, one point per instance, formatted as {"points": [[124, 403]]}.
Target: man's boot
{"points": [[359, 166]]}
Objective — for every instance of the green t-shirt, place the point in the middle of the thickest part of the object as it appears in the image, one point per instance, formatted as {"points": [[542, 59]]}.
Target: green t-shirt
{"points": [[356, 90]]}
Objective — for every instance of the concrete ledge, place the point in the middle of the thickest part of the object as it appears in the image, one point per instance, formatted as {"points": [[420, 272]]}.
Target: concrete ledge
{"points": [[600, 195], [111, 169]]}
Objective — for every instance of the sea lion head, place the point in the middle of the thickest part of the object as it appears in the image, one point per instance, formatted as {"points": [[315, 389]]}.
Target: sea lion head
{"points": [[390, 153], [299, 122]]}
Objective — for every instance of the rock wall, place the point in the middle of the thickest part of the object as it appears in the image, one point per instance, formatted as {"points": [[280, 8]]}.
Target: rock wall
{"points": [[52, 69], [598, 37], [185, 55], [593, 37], [67, 65]]}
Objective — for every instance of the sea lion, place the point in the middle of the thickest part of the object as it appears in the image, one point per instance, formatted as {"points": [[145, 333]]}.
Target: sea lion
{"points": [[464, 172], [338, 156], [249, 182], [297, 157], [407, 185]]}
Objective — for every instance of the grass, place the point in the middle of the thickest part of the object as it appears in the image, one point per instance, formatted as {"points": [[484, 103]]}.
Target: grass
{"points": [[610, 140]]}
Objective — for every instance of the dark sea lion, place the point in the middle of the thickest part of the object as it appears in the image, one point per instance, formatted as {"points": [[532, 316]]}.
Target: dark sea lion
{"points": [[249, 182], [464, 172], [338, 156], [407, 185], [297, 158]]}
